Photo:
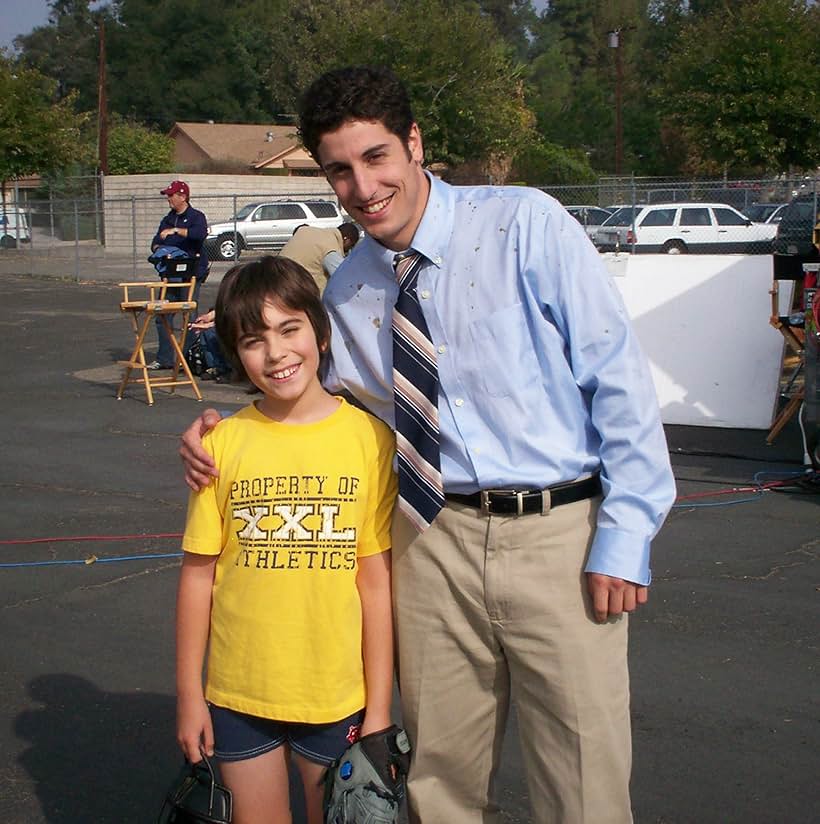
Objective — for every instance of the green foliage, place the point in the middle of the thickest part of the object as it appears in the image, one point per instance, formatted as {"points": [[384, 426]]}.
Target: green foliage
{"points": [[466, 87], [744, 86], [66, 50], [38, 133], [134, 149], [707, 85], [547, 163]]}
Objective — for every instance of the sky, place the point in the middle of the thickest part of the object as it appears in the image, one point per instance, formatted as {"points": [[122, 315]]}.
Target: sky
{"points": [[20, 17]]}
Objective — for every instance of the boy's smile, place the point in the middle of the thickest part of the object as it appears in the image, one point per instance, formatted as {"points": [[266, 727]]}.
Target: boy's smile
{"points": [[282, 360]]}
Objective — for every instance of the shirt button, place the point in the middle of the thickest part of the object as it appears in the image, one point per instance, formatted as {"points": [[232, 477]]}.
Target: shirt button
{"points": [[459, 402], [442, 350], [437, 260], [425, 294]]}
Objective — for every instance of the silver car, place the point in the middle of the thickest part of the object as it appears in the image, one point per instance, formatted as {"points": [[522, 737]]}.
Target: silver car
{"points": [[590, 217], [267, 226], [612, 235]]}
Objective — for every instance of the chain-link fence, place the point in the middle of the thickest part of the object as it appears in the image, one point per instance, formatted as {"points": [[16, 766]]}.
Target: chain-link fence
{"points": [[635, 214], [79, 231]]}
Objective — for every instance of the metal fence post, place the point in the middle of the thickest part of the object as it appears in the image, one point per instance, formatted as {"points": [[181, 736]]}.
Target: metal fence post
{"points": [[235, 238], [134, 234], [76, 242], [97, 216], [51, 209]]}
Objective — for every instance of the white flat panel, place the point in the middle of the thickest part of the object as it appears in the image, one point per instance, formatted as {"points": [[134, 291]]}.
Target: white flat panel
{"points": [[703, 321]]}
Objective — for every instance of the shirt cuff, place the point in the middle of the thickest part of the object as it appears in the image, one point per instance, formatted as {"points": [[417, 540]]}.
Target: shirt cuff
{"points": [[620, 554]]}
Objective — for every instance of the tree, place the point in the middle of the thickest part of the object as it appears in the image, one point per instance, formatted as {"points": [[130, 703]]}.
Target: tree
{"points": [[465, 86], [39, 134], [744, 87], [135, 149], [546, 163], [188, 60], [66, 49]]}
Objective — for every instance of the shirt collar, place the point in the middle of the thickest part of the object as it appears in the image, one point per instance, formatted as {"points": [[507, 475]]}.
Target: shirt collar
{"points": [[432, 237]]}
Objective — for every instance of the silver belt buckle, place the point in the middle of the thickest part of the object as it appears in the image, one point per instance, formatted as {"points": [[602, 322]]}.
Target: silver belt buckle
{"points": [[485, 502], [519, 502]]}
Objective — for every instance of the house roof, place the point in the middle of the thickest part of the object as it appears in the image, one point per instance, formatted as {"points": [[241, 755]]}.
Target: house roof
{"points": [[252, 144]]}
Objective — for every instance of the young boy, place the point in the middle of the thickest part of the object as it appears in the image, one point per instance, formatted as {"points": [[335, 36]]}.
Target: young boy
{"points": [[286, 575]]}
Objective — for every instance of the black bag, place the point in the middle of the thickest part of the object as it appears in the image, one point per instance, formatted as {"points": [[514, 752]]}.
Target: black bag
{"points": [[196, 798], [195, 355]]}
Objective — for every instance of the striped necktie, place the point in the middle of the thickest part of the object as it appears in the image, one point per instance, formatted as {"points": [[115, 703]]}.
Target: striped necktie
{"points": [[415, 382]]}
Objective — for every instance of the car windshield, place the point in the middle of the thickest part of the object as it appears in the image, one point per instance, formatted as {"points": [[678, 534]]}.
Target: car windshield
{"points": [[625, 216], [245, 211], [759, 211]]}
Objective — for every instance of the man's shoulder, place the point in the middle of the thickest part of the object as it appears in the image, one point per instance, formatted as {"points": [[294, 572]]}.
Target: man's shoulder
{"points": [[514, 196]]}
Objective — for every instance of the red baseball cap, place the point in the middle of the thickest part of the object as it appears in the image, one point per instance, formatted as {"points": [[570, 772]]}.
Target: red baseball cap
{"points": [[176, 186]]}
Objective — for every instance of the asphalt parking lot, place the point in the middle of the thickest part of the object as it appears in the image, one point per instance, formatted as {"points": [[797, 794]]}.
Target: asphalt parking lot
{"points": [[724, 657]]}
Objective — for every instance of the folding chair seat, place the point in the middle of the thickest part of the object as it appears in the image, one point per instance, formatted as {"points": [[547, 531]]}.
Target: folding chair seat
{"points": [[144, 302]]}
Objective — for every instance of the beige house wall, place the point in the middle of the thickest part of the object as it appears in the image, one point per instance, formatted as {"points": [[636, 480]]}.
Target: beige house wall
{"points": [[186, 152], [133, 205]]}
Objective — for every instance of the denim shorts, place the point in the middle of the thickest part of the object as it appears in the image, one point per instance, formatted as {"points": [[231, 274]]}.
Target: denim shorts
{"points": [[238, 737]]}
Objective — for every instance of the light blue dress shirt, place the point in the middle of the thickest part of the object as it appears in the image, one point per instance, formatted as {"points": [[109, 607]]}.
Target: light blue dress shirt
{"points": [[542, 378]]}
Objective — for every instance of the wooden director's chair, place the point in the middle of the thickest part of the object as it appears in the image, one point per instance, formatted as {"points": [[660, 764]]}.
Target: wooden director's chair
{"points": [[144, 302], [795, 340]]}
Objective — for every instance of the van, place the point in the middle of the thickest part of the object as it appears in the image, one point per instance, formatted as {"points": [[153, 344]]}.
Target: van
{"points": [[14, 227]]}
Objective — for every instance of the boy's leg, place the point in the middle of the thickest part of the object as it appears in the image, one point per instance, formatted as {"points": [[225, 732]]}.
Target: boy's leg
{"points": [[314, 747], [313, 787], [260, 788]]}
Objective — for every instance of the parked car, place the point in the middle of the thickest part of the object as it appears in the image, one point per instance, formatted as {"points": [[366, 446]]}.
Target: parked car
{"points": [[612, 236], [797, 222], [267, 226], [14, 227], [590, 217], [764, 212], [678, 228]]}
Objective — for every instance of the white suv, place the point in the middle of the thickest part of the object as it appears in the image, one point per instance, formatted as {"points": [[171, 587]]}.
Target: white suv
{"points": [[268, 226], [708, 228]]}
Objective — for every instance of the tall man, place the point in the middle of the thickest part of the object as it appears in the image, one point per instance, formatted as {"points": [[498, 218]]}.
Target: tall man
{"points": [[182, 228], [541, 424]]}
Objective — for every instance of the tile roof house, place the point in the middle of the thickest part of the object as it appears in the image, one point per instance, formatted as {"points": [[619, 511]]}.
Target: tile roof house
{"points": [[256, 147]]}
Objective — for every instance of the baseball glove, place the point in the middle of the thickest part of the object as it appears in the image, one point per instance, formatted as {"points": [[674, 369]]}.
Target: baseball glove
{"points": [[366, 785]]}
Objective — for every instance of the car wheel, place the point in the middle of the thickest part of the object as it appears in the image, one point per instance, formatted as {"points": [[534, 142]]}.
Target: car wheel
{"points": [[674, 247], [7, 242], [228, 248]]}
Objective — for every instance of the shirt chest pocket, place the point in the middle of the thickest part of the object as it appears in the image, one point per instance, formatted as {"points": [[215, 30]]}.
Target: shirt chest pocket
{"points": [[504, 355]]}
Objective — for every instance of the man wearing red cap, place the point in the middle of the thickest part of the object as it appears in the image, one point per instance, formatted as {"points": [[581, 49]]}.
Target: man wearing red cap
{"points": [[184, 228]]}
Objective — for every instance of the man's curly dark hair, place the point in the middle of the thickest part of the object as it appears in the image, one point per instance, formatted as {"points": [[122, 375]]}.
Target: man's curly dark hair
{"points": [[354, 93]]}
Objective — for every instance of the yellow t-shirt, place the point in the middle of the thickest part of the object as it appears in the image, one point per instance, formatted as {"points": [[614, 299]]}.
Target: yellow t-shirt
{"points": [[293, 508]]}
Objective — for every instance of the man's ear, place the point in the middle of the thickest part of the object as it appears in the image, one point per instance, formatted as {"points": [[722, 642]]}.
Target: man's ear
{"points": [[414, 144]]}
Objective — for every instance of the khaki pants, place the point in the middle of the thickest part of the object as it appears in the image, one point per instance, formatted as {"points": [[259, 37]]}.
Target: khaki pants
{"points": [[493, 609]]}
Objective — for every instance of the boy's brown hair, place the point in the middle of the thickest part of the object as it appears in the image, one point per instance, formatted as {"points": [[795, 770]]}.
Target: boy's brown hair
{"points": [[242, 295]]}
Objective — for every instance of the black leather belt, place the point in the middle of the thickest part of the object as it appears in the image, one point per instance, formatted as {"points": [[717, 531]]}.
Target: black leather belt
{"points": [[515, 502]]}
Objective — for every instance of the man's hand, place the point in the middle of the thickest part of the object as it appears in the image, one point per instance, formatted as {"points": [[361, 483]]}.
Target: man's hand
{"points": [[199, 465], [165, 232], [613, 596]]}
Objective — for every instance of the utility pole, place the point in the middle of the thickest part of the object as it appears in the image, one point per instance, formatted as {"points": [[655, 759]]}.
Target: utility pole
{"points": [[102, 106], [614, 41]]}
